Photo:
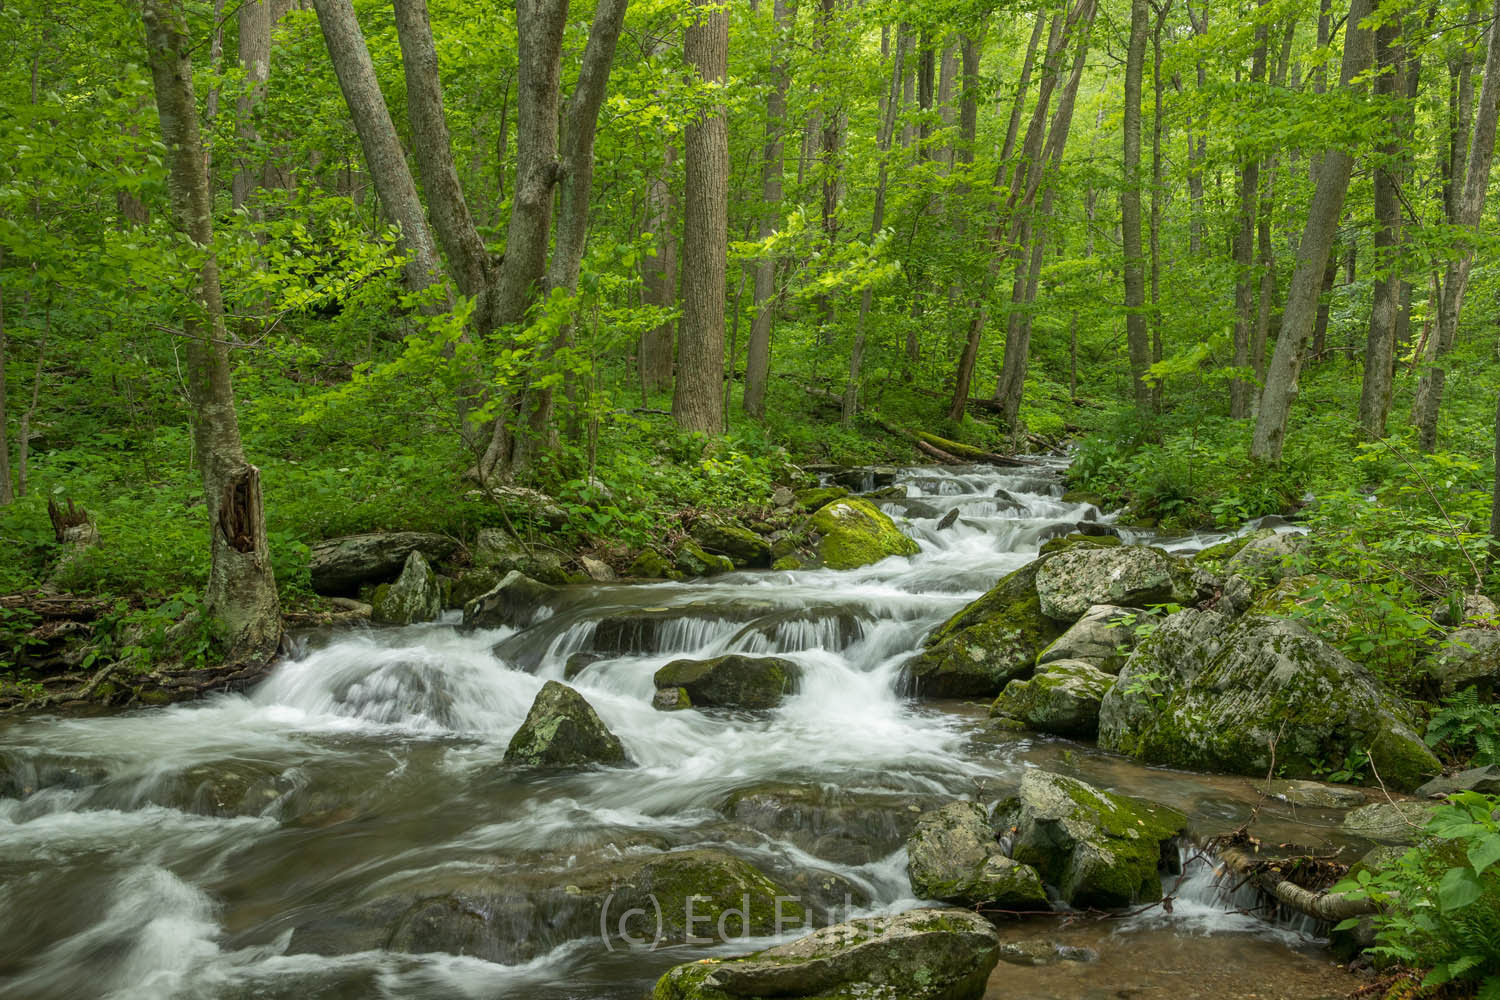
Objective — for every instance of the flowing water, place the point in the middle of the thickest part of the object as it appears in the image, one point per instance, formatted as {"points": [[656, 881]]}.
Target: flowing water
{"points": [[205, 850]]}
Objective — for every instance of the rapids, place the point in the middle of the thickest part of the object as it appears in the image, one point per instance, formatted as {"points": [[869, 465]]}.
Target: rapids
{"points": [[172, 853]]}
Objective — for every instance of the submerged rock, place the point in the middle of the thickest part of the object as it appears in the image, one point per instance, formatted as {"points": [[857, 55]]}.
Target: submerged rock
{"points": [[987, 644], [917, 955], [515, 600], [742, 546], [343, 565], [562, 730], [1096, 848], [1205, 693], [1102, 638], [1311, 794], [842, 825], [414, 597], [953, 857], [1076, 579], [1061, 698], [732, 681], [854, 533]]}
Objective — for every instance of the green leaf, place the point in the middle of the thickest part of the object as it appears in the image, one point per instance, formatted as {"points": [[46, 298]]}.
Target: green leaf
{"points": [[1485, 853], [1458, 889]]}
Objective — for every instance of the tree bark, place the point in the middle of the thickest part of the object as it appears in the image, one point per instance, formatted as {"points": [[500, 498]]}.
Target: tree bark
{"points": [[7, 495], [240, 597], [255, 57], [758, 351], [697, 402], [660, 277], [1130, 209], [1495, 490], [23, 429], [1300, 313], [1197, 148], [1245, 285]]}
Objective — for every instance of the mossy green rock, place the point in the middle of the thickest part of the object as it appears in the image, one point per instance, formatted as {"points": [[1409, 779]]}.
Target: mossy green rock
{"points": [[1216, 555], [414, 597], [917, 955], [811, 500], [787, 564], [1061, 698], [692, 560], [1133, 576], [651, 565], [953, 857], [740, 545], [732, 681], [470, 584], [1097, 848], [1210, 694], [987, 644], [856, 533], [562, 730]]}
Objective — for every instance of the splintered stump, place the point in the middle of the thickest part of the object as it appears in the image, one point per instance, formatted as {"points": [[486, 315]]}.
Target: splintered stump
{"points": [[72, 525]]}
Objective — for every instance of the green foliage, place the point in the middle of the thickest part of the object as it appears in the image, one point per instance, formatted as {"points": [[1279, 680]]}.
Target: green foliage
{"points": [[1467, 729]]}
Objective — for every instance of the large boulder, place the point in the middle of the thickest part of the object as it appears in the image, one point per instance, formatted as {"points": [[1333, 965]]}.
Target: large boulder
{"points": [[1389, 822], [1205, 693], [562, 730], [1469, 658], [987, 644], [1098, 849], [1102, 637], [732, 681], [742, 546], [1061, 698], [916, 955], [1484, 780], [515, 601], [854, 533], [1078, 578], [848, 826], [343, 565], [953, 856], [1266, 557], [414, 597], [692, 560]]}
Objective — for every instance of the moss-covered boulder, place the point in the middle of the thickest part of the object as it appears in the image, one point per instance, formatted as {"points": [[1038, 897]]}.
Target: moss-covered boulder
{"points": [[953, 856], [469, 584], [1266, 557], [650, 564], [501, 551], [1102, 637], [917, 955], [987, 644], [516, 601], [415, 596], [1470, 657], [1096, 848], [562, 730], [692, 559], [1211, 694], [1061, 698], [739, 544], [853, 533], [1133, 576], [811, 500], [732, 681]]}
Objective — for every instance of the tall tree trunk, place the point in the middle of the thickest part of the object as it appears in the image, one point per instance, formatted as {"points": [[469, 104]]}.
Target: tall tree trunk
{"points": [[947, 73], [1245, 285], [1469, 213], [660, 277], [758, 351], [1130, 209], [1300, 313], [255, 59], [23, 428], [698, 402], [1495, 491], [1380, 343], [1197, 147], [1157, 124], [7, 496], [241, 594], [1325, 302]]}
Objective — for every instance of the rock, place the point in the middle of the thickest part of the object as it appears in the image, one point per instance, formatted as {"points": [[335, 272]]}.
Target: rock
{"points": [[671, 699], [1476, 609], [692, 560], [562, 730], [414, 597], [781, 496], [500, 551], [917, 955], [1206, 693], [987, 644], [850, 827], [1484, 780], [342, 565], [913, 508], [651, 630], [596, 569], [1061, 698], [471, 583], [732, 681], [742, 546], [1040, 951], [1075, 580], [948, 520], [1311, 794], [1469, 658], [825, 626], [787, 564], [953, 857], [1059, 537], [1265, 557], [819, 496], [577, 663], [854, 533], [530, 503], [515, 601], [1220, 553], [651, 565], [1389, 822], [1102, 637], [1098, 849]]}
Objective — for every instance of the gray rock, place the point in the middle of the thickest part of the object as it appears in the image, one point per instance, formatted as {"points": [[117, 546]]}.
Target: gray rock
{"points": [[917, 955], [1040, 951], [1484, 780], [562, 730], [1078, 578], [596, 569], [1096, 848], [1061, 698], [948, 520], [732, 681], [1469, 658], [1389, 822], [499, 550], [1311, 794], [847, 826], [514, 601], [1210, 694], [534, 504], [1264, 559], [1476, 609], [1101, 637], [953, 857], [414, 597], [343, 565]]}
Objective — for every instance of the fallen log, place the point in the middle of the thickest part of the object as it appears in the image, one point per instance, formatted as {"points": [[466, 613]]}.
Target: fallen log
{"points": [[1267, 875], [969, 452]]}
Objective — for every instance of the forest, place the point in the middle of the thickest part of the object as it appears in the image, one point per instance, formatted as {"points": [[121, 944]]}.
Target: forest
{"points": [[1056, 376]]}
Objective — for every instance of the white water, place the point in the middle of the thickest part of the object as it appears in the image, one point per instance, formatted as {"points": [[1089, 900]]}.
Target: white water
{"points": [[171, 853]]}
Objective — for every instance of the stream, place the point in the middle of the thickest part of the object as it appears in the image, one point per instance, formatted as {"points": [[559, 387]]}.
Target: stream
{"points": [[184, 852]]}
